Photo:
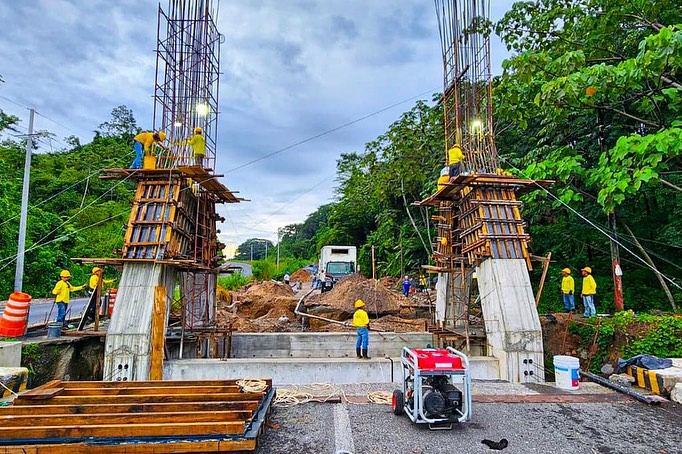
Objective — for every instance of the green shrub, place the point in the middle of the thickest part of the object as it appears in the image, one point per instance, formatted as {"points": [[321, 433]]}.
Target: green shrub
{"points": [[233, 282]]}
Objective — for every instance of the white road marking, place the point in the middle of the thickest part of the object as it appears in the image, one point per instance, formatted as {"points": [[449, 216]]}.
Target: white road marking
{"points": [[343, 436]]}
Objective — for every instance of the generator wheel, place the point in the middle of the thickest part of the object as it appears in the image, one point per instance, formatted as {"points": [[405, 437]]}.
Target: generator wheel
{"points": [[398, 402]]}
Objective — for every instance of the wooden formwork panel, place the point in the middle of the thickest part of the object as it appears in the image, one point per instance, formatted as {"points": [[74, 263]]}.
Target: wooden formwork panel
{"points": [[162, 221], [153, 416], [491, 224]]}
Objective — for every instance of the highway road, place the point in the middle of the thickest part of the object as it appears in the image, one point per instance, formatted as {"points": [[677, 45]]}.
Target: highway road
{"points": [[40, 310]]}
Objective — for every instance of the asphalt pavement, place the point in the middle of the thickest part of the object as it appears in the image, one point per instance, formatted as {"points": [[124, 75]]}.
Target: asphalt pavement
{"points": [[599, 424], [40, 309]]}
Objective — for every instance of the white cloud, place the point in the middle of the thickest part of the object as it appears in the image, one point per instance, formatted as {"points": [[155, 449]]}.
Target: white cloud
{"points": [[291, 70]]}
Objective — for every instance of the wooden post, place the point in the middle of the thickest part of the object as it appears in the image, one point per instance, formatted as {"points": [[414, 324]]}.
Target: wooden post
{"points": [[98, 295], [158, 336], [545, 267]]}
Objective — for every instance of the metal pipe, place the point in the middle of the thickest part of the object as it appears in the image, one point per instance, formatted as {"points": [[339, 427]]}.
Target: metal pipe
{"points": [[652, 400], [317, 317]]}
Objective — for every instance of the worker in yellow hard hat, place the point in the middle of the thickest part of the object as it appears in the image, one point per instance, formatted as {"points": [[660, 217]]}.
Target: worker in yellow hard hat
{"points": [[92, 284], [198, 143], [567, 289], [361, 323], [455, 158], [143, 145], [62, 291], [588, 292]]}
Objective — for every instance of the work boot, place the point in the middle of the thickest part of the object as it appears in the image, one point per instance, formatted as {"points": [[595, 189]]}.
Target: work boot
{"points": [[358, 352], [364, 354]]}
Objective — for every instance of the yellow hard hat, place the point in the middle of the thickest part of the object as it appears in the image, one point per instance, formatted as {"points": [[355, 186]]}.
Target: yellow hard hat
{"points": [[359, 303], [587, 269], [566, 270], [65, 273], [96, 269], [444, 241], [198, 130], [162, 136]]}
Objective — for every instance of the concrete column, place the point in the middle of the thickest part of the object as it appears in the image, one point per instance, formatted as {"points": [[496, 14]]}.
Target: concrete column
{"points": [[441, 297], [511, 319], [128, 344]]}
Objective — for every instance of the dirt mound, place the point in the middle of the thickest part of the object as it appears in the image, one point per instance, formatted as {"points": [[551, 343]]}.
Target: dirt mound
{"points": [[267, 290], [378, 299], [300, 275], [389, 281]]}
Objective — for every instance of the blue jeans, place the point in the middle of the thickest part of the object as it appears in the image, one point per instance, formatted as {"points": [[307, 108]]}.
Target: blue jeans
{"points": [[139, 154], [569, 302], [363, 338], [406, 289], [61, 312], [588, 301]]}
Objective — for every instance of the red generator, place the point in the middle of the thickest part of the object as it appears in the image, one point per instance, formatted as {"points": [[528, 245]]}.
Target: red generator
{"points": [[429, 395]]}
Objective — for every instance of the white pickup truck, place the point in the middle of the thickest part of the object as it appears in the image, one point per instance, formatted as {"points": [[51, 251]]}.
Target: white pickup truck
{"points": [[335, 263]]}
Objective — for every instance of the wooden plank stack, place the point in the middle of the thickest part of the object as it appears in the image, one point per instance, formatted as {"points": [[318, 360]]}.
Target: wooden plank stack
{"points": [[135, 417]]}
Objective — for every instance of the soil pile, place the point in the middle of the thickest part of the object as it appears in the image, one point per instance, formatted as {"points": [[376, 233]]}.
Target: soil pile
{"points": [[378, 299], [261, 307], [300, 275]]}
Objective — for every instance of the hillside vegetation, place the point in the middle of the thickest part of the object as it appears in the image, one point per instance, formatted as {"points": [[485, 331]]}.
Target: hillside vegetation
{"points": [[591, 98]]}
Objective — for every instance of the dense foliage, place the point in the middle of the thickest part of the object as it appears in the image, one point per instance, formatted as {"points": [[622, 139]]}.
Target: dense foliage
{"points": [[591, 99], [72, 213]]}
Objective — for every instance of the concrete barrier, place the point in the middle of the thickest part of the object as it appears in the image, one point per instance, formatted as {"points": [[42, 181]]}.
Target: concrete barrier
{"points": [[10, 354], [13, 379], [300, 371], [322, 345]]}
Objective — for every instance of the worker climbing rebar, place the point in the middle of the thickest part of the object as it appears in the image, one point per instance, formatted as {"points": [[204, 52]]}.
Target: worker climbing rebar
{"points": [[198, 143]]}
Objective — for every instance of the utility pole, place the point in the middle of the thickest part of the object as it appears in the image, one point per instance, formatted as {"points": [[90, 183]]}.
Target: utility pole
{"points": [[616, 270], [19, 275], [266, 249], [252, 251], [278, 240]]}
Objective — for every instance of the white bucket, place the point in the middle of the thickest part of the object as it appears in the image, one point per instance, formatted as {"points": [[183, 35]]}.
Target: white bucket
{"points": [[566, 372]]}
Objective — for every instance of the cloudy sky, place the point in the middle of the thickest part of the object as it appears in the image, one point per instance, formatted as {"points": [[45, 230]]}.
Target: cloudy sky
{"points": [[292, 70]]}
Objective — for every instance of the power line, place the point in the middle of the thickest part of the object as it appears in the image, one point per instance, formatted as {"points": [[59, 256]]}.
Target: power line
{"points": [[595, 226], [317, 136]]}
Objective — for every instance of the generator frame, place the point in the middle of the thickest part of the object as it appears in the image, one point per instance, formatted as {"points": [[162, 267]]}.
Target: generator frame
{"points": [[412, 371]]}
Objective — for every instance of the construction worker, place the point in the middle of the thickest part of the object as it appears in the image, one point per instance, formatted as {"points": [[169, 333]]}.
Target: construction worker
{"points": [[92, 284], [455, 158], [422, 283], [287, 277], [63, 290], [588, 292], [143, 146], [407, 282], [567, 289], [96, 276], [198, 143], [361, 323]]}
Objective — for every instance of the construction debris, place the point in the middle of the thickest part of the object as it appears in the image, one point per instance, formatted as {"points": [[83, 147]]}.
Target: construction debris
{"points": [[269, 307]]}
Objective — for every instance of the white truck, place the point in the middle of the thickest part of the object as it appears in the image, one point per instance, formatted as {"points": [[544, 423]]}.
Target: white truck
{"points": [[335, 263]]}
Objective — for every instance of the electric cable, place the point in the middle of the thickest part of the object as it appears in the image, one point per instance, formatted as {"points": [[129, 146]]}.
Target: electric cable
{"points": [[329, 131], [595, 226]]}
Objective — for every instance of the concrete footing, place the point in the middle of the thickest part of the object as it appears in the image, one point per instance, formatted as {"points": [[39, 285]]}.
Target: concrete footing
{"points": [[322, 345], [13, 379], [10, 354], [302, 371]]}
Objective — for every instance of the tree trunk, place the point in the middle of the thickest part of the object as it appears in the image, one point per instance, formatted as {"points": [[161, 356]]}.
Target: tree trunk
{"points": [[651, 263]]}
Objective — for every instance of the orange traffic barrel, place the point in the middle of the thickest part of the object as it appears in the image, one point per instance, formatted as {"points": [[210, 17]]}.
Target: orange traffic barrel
{"points": [[15, 316], [111, 297]]}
